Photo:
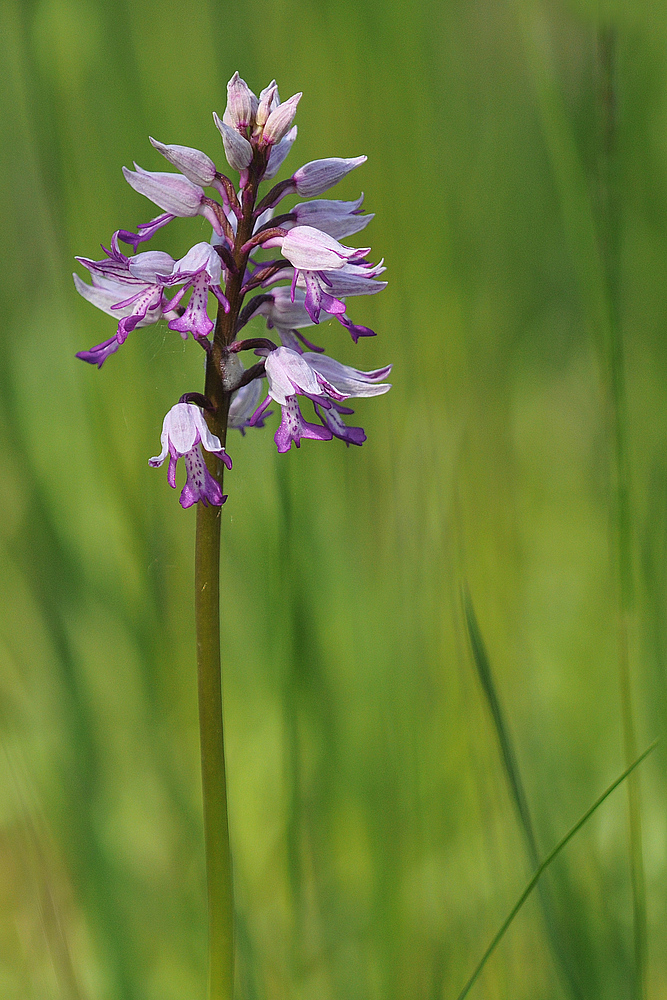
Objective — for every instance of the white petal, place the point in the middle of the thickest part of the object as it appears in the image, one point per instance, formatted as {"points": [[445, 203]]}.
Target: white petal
{"points": [[288, 374], [209, 440]]}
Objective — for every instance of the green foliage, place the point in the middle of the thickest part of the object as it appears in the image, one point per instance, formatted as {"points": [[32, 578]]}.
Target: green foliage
{"points": [[376, 841]]}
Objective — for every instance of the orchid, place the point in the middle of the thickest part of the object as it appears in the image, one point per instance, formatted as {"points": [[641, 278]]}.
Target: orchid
{"points": [[313, 275], [291, 270]]}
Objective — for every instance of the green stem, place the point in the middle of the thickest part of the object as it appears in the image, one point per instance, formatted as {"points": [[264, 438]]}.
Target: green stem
{"points": [[214, 788], [219, 874], [609, 230]]}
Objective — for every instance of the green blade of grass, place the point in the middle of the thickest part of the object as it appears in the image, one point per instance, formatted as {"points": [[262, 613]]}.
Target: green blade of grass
{"points": [[545, 864], [513, 774]]}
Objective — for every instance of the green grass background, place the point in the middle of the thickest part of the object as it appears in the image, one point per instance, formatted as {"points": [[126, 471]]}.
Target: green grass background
{"points": [[375, 841]]}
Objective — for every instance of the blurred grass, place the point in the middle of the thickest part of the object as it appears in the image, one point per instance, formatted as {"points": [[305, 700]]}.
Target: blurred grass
{"points": [[376, 845]]}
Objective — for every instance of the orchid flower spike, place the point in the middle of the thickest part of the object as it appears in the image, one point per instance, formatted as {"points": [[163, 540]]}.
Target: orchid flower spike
{"points": [[311, 275]]}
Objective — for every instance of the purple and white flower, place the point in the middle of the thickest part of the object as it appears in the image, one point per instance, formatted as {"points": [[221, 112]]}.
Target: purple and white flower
{"points": [[184, 429], [312, 254], [324, 381], [201, 270], [174, 194], [129, 288]]}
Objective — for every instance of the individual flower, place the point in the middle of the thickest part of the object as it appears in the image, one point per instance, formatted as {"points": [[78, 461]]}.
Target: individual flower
{"points": [[323, 380], [174, 194], [128, 288], [184, 429], [312, 254], [201, 270]]}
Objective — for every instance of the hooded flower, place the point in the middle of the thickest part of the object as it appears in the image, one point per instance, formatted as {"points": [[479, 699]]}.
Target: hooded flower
{"points": [[128, 288], [183, 430], [313, 254], [323, 380], [201, 270]]}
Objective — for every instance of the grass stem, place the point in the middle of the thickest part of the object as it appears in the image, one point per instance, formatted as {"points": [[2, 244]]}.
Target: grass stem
{"points": [[544, 865]]}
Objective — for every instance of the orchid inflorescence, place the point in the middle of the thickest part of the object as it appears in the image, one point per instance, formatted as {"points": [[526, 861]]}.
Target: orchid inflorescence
{"points": [[320, 274]]}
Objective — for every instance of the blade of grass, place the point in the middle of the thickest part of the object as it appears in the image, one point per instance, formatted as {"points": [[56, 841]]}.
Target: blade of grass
{"points": [[511, 766], [545, 864]]}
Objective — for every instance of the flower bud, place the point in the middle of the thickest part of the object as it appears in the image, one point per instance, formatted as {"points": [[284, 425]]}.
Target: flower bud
{"points": [[241, 104], [319, 175], [268, 100], [237, 149], [280, 120]]}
